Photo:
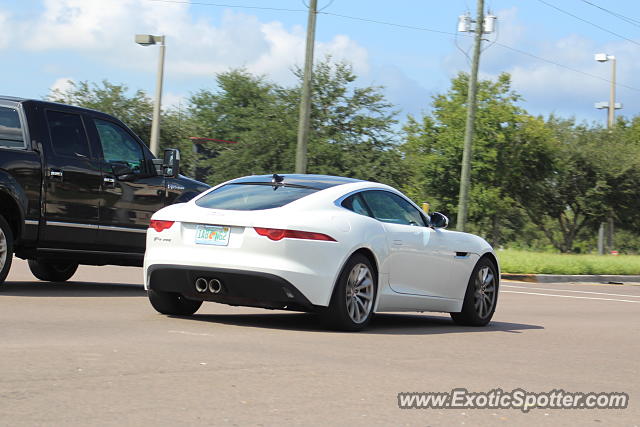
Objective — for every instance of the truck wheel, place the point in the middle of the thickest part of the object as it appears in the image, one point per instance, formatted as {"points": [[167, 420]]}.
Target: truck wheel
{"points": [[52, 271], [6, 249], [172, 303]]}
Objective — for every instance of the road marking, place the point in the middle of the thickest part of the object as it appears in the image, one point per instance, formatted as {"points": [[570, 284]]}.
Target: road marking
{"points": [[569, 296], [567, 290]]}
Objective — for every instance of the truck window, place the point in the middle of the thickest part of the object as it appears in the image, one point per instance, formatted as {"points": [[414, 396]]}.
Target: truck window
{"points": [[67, 134], [118, 146], [10, 129]]}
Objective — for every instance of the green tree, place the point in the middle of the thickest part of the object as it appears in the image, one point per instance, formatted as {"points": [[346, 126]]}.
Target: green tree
{"points": [[351, 126], [135, 110], [510, 148]]}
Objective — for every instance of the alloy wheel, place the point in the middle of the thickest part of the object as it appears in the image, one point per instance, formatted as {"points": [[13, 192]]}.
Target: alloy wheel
{"points": [[359, 293], [3, 249], [485, 292]]}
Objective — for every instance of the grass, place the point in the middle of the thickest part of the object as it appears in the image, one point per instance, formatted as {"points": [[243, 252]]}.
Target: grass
{"points": [[515, 261]]}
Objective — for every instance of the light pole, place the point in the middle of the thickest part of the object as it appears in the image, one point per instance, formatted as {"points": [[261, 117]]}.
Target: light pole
{"points": [[611, 107], [148, 40]]}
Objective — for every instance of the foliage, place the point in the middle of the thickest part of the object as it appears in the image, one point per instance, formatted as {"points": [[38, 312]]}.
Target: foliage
{"points": [[515, 261], [510, 148]]}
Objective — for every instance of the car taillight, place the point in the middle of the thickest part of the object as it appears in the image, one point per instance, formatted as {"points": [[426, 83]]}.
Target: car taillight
{"points": [[279, 234], [159, 225]]}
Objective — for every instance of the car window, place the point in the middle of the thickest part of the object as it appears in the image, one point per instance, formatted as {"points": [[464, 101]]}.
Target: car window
{"points": [[67, 134], [389, 207], [118, 146], [356, 204], [252, 196], [10, 128]]}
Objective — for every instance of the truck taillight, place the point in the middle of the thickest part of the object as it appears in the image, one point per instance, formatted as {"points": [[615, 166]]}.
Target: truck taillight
{"points": [[160, 225], [279, 234]]}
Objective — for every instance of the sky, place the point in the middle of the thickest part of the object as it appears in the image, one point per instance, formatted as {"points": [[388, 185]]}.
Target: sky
{"points": [[548, 52]]}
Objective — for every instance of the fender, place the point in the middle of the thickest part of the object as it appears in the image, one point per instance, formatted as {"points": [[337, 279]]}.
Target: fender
{"points": [[11, 188]]}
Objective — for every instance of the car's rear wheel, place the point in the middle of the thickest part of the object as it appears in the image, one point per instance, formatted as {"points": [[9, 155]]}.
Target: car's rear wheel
{"points": [[172, 303], [6, 249], [52, 271], [354, 295], [481, 297]]}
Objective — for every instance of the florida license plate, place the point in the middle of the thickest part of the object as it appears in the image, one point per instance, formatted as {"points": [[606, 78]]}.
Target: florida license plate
{"points": [[212, 235]]}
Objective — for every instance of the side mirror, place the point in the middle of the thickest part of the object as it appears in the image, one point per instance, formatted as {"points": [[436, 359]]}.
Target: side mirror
{"points": [[171, 163], [438, 220], [122, 171]]}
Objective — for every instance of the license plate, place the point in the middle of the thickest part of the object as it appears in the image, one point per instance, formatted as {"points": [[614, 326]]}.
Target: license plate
{"points": [[212, 235]]}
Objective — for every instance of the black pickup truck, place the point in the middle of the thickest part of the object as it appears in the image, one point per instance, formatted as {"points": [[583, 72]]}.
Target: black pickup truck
{"points": [[78, 187]]}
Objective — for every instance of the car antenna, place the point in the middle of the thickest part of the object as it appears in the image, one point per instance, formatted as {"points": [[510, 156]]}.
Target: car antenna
{"points": [[276, 180]]}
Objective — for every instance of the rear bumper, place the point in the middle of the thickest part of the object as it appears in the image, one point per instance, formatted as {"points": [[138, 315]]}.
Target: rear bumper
{"points": [[239, 287]]}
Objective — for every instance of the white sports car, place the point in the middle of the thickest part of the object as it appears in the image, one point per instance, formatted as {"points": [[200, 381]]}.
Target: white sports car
{"points": [[340, 246]]}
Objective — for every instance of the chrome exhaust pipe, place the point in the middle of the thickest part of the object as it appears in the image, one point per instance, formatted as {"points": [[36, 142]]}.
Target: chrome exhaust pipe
{"points": [[201, 284], [215, 286]]}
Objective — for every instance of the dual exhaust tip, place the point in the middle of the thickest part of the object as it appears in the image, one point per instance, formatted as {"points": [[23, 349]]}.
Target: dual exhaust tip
{"points": [[212, 285]]}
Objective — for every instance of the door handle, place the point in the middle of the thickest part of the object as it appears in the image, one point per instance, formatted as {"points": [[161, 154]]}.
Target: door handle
{"points": [[55, 174], [108, 181], [397, 242]]}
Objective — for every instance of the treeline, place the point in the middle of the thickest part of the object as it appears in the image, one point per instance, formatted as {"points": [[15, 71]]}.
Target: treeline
{"points": [[537, 183]]}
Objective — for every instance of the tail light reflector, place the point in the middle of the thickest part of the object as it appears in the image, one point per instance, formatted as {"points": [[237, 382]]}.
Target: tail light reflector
{"points": [[279, 234], [160, 225]]}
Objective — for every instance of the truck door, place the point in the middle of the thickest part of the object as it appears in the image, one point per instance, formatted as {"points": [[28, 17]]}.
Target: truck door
{"points": [[72, 184], [131, 189]]}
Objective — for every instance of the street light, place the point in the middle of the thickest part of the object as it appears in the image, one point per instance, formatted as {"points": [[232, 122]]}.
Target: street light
{"points": [[148, 40], [611, 106], [603, 57]]}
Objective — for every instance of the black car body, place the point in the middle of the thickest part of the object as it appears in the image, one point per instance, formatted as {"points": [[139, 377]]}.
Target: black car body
{"points": [[77, 186]]}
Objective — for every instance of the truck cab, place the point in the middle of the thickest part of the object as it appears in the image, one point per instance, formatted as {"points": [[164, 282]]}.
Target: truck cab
{"points": [[77, 186]]}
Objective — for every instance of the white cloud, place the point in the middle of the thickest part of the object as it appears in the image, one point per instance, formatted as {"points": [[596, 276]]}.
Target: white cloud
{"points": [[62, 84], [104, 31], [5, 30]]}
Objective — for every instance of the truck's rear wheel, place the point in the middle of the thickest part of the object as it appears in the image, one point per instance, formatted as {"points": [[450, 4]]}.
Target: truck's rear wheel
{"points": [[172, 303], [50, 271], [6, 249]]}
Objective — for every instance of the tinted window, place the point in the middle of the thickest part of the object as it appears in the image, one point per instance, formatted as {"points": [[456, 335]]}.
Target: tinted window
{"points": [[356, 204], [389, 207], [118, 146], [10, 129], [250, 197], [67, 134]]}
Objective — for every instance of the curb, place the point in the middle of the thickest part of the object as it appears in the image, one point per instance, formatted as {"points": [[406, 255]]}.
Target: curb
{"points": [[614, 279]]}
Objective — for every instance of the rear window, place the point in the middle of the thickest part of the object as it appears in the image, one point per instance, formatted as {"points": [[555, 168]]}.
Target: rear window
{"points": [[10, 129], [252, 196]]}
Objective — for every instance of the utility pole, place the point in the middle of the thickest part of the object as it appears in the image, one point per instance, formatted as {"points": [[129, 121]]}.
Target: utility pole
{"points": [[465, 174], [305, 101]]}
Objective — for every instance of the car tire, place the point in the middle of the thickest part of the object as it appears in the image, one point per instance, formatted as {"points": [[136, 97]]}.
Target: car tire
{"points": [[6, 249], [481, 296], [172, 303], [52, 271], [354, 295]]}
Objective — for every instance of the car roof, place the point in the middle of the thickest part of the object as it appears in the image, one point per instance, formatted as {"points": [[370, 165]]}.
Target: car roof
{"points": [[320, 182], [49, 103]]}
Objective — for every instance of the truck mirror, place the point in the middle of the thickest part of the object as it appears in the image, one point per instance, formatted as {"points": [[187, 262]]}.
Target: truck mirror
{"points": [[171, 163]]}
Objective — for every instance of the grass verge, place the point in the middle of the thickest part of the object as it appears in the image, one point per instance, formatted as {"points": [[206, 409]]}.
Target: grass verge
{"points": [[514, 261]]}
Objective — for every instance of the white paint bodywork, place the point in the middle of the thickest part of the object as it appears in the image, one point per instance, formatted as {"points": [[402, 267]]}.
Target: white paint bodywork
{"points": [[418, 269]]}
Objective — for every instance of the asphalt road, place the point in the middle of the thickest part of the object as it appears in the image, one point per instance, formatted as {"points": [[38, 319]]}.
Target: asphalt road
{"points": [[94, 352]]}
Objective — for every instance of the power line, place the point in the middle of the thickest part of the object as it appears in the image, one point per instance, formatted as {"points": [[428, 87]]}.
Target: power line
{"points": [[564, 66], [588, 22], [549, 61], [410, 27], [373, 21], [237, 6], [627, 19]]}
